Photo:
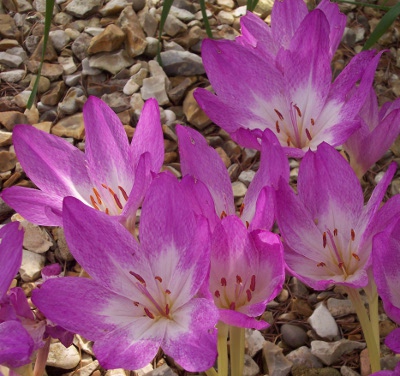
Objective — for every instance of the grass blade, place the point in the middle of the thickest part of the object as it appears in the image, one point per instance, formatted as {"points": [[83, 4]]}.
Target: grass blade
{"points": [[205, 19], [382, 26], [164, 14], [47, 24], [251, 5]]}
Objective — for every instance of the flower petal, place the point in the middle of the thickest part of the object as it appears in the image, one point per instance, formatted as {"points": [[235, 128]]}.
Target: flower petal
{"points": [[34, 205], [175, 242], [329, 189], [393, 342], [53, 164], [107, 146], [235, 318], [203, 162], [148, 136], [104, 248], [195, 349], [10, 255], [16, 345]]}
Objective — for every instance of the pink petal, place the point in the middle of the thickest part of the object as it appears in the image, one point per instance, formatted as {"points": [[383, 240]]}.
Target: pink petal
{"points": [[107, 146], [34, 205], [148, 136], [203, 162], [194, 349], [16, 345], [53, 164], [10, 254], [241, 320], [104, 248], [393, 342]]}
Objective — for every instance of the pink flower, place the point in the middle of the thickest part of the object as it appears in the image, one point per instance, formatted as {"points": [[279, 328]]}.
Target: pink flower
{"points": [[326, 229], [141, 296], [111, 176]]}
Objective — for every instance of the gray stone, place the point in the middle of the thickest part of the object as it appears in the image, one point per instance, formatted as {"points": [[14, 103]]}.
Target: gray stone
{"points": [[293, 335], [72, 102], [59, 38], [114, 7], [239, 189], [13, 76], [10, 60], [173, 26], [154, 87], [80, 46], [323, 323], [68, 64], [87, 70], [275, 361], [32, 264], [250, 367], [255, 341], [117, 101], [151, 47], [340, 307], [303, 356], [246, 177], [63, 357], [164, 370], [226, 17], [36, 239], [112, 62], [83, 8], [182, 14], [330, 352], [347, 371], [182, 63]]}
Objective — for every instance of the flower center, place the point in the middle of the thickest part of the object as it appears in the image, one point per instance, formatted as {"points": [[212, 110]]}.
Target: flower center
{"points": [[107, 200], [236, 293], [342, 259], [154, 309], [293, 130]]}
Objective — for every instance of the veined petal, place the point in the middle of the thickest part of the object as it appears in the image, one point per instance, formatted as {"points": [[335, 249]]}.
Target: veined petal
{"points": [[107, 146], [53, 164], [393, 342], [148, 136], [104, 248], [241, 320], [10, 254], [286, 18], [92, 310], [191, 338], [34, 205], [263, 216], [337, 23], [169, 231], [273, 165], [132, 346], [16, 345], [329, 189], [201, 200], [203, 162], [386, 264]]}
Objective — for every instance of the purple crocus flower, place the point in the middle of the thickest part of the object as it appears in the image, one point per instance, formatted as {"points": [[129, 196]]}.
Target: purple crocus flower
{"points": [[16, 345], [286, 18], [292, 94], [141, 296], [379, 129], [326, 229], [111, 176], [247, 268]]}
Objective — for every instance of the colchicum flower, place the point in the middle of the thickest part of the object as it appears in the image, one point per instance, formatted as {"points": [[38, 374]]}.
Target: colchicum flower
{"points": [[286, 18], [326, 229], [292, 94], [111, 176], [247, 268], [140, 296], [379, 129], [16, 345]]}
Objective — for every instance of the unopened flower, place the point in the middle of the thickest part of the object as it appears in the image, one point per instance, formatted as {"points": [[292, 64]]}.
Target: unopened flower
{"points": [[111, 176], [326, 229], [379, 129], [292, 94], [141, 296]]}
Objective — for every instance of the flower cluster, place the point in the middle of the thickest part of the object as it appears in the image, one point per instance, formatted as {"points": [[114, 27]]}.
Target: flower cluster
{"points": [[195, 269]]}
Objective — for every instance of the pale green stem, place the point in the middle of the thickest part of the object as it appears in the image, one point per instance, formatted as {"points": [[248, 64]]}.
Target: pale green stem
{"points": [[373, 347], [222, 349], [25, 370], [211, 372], [372, 295], [236, 340], [41, 359]]}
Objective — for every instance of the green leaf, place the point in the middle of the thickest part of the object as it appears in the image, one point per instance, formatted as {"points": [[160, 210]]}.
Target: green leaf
{"points": [[382, 26], [251, 5], [164, 14], [47, 24]]}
